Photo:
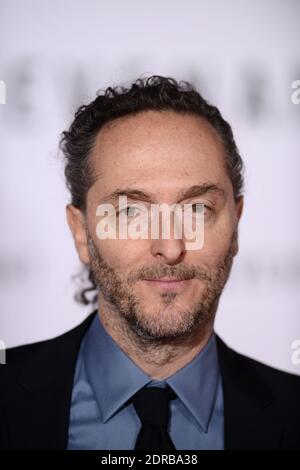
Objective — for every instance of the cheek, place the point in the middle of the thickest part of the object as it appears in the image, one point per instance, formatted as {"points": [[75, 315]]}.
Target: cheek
{"points": [[217, 241], [122, 254]]}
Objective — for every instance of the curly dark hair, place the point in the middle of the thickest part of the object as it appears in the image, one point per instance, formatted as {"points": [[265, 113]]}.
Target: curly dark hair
{"points": [[154, 93]]}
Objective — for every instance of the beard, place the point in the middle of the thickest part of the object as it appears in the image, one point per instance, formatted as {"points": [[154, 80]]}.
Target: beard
{"points": [[169, 318]]}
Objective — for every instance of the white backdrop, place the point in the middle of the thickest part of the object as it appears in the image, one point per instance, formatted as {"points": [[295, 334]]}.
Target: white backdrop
{"points": [[242, 55]]}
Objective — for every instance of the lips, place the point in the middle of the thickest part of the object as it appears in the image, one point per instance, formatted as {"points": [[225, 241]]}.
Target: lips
{"points": [[168, 283], [168, 279]]}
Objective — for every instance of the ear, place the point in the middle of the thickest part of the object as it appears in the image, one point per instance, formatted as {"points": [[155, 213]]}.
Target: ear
{"points": [[239, 204], [76, 222]]}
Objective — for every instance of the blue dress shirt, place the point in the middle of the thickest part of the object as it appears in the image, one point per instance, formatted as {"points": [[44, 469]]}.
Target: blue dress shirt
{"points": [[106, 378]]}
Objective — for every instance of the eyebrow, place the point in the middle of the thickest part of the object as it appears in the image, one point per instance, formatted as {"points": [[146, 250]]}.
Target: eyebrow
{"points": [[139, 195]]}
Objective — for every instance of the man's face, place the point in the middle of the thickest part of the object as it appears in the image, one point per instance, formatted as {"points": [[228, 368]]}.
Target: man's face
{"points": [[162, 154]]}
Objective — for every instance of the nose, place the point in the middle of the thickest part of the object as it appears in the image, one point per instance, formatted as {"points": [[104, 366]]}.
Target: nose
{"points": [[171, 250]]}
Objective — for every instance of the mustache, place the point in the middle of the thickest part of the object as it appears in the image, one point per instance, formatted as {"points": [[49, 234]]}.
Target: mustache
{"points": [[181, 273]]}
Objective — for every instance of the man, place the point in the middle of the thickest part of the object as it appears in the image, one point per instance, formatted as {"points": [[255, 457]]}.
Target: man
{"points": [[145, 370]]}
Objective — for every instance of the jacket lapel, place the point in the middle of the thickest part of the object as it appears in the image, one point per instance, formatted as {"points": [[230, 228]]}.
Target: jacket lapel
{"points": [[38, 414], [250, 419]]}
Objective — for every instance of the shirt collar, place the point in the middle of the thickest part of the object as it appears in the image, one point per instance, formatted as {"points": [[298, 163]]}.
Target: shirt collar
{"points": [[114, 377]]}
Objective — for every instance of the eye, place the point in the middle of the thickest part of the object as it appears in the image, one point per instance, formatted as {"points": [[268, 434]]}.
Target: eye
{"points": [[129, 211], [198, 207], [195, 209]]}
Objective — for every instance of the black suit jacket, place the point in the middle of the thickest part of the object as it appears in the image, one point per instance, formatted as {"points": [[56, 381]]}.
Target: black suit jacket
{"points": [[261, 404]]}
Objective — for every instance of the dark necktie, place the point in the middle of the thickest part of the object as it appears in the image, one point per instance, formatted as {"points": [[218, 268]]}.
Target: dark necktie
{"points": [[152, 407]]}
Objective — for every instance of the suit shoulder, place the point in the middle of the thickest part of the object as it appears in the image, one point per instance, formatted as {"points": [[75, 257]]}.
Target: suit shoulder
{"points": [[19, 354], [285, 386], [16, 357], [272, 375]]}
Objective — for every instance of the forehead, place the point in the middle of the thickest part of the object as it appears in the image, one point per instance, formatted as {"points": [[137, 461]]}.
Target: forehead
{"points": [[157, 149]]}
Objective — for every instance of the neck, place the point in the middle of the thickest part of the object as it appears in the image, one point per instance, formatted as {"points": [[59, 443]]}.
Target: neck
{"points": [[158, 359]]}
